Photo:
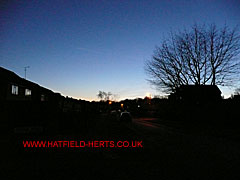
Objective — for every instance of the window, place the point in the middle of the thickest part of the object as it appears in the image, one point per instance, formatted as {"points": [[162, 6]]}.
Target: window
{"points": [[27, 92], [14, 89], [42, 97]]}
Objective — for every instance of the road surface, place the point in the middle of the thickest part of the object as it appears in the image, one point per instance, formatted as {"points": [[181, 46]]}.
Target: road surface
{"points": [[167, 153]]}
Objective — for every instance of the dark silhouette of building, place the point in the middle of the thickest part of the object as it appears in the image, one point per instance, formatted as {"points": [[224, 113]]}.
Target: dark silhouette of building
{"points": [[196, 94], [25, 105], [15, 88]]}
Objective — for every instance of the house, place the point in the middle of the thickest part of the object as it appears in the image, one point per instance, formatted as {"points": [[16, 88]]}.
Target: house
{"points": [[196, 94], [15, 88]]}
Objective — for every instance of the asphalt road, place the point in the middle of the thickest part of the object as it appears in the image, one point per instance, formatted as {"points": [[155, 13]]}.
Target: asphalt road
{"points": [[167, 153]]}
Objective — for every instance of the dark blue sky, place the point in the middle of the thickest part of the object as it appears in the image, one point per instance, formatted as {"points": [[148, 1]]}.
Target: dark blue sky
{"points": [[78, 47]]}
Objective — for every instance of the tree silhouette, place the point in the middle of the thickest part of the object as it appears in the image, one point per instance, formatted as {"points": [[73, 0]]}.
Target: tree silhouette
{"points": [[100, 95], [237, 91], [103, 96], [202, 55]]}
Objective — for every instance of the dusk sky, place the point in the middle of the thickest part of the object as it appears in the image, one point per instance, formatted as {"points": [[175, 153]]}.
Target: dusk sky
{"points": [[78, 47]]}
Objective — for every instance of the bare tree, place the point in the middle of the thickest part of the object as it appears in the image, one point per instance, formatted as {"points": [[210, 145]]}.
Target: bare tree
{"points": [[104, 96], [237, 91], [100, 95], [203, 55]]}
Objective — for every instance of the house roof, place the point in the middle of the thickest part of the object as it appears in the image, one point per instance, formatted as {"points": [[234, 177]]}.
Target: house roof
{"points": [[194, 88], [9, 76]]}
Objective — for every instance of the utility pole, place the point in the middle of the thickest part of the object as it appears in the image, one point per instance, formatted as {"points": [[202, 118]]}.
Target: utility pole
{"points": [[25, 70]]}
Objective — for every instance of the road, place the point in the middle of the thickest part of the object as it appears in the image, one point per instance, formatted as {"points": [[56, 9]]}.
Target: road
{"points": [[167, 153], [186, 154], [172, 151]]}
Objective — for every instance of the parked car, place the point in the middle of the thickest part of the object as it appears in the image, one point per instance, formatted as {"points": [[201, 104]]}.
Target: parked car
{"points": [[125, 117]]}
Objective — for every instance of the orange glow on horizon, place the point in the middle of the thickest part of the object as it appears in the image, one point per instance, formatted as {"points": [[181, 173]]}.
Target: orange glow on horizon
{"points": [[149, 95]]}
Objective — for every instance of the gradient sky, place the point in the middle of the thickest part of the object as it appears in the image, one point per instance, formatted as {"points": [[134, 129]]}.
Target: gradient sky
{"points": [[78, 47]]}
